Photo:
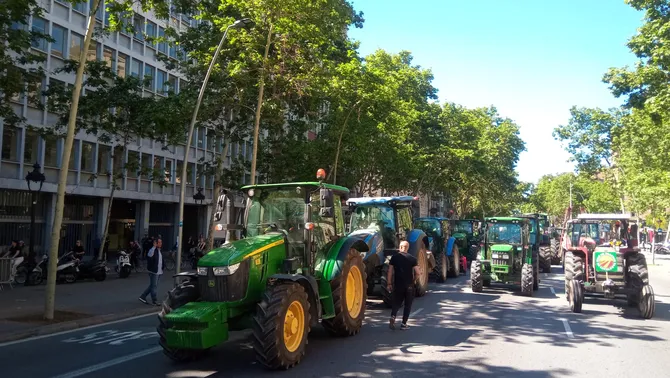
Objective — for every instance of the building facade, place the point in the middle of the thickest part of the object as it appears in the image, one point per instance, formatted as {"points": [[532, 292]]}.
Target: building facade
{"points": [[141, 206]]}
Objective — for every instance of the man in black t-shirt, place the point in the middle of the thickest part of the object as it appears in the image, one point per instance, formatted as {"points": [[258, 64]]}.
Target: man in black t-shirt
{"points": [[78, 250], [404, 269]]}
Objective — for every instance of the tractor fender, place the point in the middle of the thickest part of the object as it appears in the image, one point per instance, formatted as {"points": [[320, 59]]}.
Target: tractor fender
{"points": [[414, 237], [338, 252], [450, 245], [310, 286]]}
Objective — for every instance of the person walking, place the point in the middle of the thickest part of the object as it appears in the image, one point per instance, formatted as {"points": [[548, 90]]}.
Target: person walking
{"points": [[155, 266], [16, 254], [404, 270]]}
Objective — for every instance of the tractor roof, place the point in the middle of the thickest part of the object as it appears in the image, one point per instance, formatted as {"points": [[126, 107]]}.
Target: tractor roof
{"points": [[388, 201], [506, 219], [336, 188], [467, 220], [431, 218], [612, 216]]}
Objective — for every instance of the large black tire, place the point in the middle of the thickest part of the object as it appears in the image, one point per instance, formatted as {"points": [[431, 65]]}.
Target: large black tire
{"points": [[527, 278], [124, 272], [536, 270], [545, 258], [184, 293], [422, 280], [283, 305], [442, 267], [387, 296], [574, 270], [575, 295], [476, 276], [555, 251], [21, 275], [637, 276], [349, 311], [455, 263], [647, 302]]}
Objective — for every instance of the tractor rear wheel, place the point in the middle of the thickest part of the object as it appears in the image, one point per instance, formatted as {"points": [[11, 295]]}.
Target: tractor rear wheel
{"points": [[442, 268], [422, 259], [387, 296], [575, 295], [536, 270], [476, 276], [545, 258], [281, 326], [349, 296], [527, 280], [455, 263], [574, 270], [555, 251], [186, 292]]}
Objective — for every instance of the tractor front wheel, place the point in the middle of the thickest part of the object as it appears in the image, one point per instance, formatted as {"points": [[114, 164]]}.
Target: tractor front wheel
{"points": [[454, 263], [349, 296], [647, 304], [574, 270], [442, 268], [422, 259], [527, 280], [476, 276], [545, 258], [184, 293], [281, 325], [575, 295]]}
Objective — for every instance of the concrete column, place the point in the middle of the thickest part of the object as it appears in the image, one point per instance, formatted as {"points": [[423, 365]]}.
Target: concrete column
{"points": [[50, 200], [142, 220]]}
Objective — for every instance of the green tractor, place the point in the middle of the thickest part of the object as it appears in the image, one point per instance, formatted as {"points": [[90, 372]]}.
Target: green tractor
{"points": [[505, 256], [466, 235], [540, 239], [294, 267]]}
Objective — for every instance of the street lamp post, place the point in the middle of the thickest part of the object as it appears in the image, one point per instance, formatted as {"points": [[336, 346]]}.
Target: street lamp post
{"points": [[37, 177], [243, 23]]}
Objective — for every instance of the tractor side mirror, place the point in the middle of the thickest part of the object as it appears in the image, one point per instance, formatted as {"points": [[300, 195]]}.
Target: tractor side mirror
{"points": [[326, 203]]}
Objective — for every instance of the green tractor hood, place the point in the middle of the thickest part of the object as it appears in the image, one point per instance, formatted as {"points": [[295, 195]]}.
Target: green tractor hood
{"points": [[235, 252], [502, 248]]}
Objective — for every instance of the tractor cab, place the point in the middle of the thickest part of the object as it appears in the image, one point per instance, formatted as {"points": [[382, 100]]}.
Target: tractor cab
{"points": [[390, 216], [539, 238], [466, 233]]}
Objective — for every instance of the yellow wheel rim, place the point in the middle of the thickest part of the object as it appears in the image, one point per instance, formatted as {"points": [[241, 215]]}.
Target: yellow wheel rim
{"points": [[294, 326], [423, 264], [354, 287]]}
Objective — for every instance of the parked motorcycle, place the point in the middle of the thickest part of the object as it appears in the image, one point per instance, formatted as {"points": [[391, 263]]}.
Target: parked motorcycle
{"points": [[96, 269], [123, 266], [29, 272]]}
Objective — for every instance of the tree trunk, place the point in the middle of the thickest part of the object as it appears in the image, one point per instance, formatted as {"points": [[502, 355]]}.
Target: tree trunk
{"points": [[259, 105], [339, 143], [109, 215], [50, 294], [217, 189]]}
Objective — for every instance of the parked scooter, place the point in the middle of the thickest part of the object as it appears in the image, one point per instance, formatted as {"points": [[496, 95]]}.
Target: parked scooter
{"points": [[123, 266], [29, 272], [96, 269]]}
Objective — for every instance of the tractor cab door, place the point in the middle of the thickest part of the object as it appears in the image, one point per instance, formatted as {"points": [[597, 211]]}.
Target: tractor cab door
{"points": [[404, 222]]}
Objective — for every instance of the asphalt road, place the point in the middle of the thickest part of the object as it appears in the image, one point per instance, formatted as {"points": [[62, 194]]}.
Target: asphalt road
{"points": [[454, 332]]}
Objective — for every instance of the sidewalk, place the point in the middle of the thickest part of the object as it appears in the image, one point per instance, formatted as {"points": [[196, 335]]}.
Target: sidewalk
{"points": [[84, 303]]}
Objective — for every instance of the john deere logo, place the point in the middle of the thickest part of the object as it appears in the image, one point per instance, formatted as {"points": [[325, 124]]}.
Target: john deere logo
{"points": [[605, 261], [210, 283]]}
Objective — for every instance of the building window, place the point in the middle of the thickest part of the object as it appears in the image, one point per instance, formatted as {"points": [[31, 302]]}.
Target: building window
{"points": [[118, 159], [162, 46], [87, 157], [189, 173], [146, 164], [104, 154], [121, 64], [76, 45], [35, 95], [92, 54], [180, 166], [168, 170], [136, 68], [58, 45], [161, 82], [73, 156], [11, 138], [133, 160], [31, 148], [173, 51], [210, 141], [138, 25], [40, 25], [108, 56], [150, 75], [201, 137], [51, 152], [98, 13], [80, 7], [250, 150], [173, 84], [151, 32]]}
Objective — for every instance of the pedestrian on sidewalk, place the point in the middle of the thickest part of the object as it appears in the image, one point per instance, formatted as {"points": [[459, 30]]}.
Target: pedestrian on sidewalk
{"points": [[155, 266], [16, 254], [404, 270]]}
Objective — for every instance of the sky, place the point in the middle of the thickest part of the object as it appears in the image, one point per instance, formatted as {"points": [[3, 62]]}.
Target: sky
{"points": [[531, 59]]}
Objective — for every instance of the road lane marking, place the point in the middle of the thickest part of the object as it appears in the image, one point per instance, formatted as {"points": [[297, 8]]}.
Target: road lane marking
{"points": [[416, 312], [552, 290], [110, 363], [34, 338], [568, 330]]}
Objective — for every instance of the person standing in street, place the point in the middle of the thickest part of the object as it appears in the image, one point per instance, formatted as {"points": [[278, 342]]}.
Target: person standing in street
{"points": [[155, 267], [404, 270]]}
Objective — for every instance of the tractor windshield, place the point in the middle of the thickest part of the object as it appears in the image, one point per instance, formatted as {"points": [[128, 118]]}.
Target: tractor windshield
{"points": [[430, 226], [277, 210], [372, 218], [463, 226], [504, 233], [580, 232]]}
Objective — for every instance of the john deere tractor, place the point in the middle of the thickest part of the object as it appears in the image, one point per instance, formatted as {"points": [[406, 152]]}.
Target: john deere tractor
{"points": [[540, 239], [293, 267], [505, 256], [603, 256], [442, 245], [390, 217], [467, 238]]}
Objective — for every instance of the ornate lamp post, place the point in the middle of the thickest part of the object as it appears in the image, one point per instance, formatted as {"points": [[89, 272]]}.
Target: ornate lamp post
{"points": [[36, 177], [199, 196]]}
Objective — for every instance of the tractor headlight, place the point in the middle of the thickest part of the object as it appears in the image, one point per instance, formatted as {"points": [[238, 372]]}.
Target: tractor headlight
{"points": [[495, 255], [202, 271], [505, 256], [226, 270]]}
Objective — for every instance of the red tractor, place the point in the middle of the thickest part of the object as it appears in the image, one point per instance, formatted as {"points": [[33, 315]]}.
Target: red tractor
{"points": [[602, 256]]}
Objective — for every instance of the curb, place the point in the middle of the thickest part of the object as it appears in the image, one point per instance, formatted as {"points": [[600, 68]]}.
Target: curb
{"points": [[75, 324]]}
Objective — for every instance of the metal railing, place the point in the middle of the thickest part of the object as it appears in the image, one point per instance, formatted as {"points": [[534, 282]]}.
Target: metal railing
{"points": [[6, 271]]}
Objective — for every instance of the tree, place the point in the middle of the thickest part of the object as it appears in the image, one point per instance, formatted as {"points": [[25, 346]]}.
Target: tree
{"points": [[20, 68]]}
